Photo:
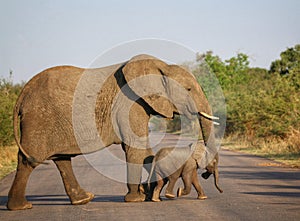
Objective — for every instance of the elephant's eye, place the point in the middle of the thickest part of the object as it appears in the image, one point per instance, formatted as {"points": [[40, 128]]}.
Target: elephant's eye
{"points": [[189, 88]]}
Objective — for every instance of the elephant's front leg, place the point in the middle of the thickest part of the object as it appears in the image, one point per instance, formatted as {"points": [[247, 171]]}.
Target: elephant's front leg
{"points": [[169, 190], [187, 181], [196, 184], [135, 159], [76, 194]]}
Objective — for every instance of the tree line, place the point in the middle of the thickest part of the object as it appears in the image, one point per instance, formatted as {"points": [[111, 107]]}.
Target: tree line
{"points": [[262, 105], [9, 93]]}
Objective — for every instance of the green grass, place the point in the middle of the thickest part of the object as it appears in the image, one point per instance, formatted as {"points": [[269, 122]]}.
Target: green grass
{"points": [[277, 150], [8, 160]]}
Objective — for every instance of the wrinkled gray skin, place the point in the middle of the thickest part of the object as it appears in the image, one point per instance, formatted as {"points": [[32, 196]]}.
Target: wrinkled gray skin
{"points": [[171, 163], [46, 107]]}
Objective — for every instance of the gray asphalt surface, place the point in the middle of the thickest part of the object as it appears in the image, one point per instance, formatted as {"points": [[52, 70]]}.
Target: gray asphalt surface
{"points": [[254, 189]]}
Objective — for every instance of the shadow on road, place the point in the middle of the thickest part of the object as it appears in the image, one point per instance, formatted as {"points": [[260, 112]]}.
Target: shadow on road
{"points": [[52, 199], [275, 186], [3, 200], [260, 174], [42, 200], [282, 194], [62, 199], [108, 198]]}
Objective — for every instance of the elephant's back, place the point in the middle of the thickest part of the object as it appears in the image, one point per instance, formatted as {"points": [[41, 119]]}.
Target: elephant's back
{"points": [[50, 91], [60, 78], [45, 107], [170, 159], [173, 152]]}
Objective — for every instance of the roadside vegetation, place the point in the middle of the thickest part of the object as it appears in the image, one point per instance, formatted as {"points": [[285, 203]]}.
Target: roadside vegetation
{"points": [[8, 159], [263, 106], [8, 151]]}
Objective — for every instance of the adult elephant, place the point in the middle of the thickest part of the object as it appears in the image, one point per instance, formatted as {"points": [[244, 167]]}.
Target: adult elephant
{"points": [[67, 111]]}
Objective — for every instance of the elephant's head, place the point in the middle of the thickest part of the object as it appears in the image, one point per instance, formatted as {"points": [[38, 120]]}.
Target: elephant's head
{"points": [[169, 90], [200, 154], [212, 168]]}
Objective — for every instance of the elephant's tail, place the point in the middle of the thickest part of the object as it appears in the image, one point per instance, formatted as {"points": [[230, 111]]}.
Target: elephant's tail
{"points": [[16, 115]]}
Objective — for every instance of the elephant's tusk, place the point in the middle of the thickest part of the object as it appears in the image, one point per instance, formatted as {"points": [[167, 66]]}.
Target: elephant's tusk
{"points": [[209, 116], [216, 123]]}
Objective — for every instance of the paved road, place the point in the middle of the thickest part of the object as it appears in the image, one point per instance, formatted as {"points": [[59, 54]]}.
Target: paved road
{"points": [[254, 189]]}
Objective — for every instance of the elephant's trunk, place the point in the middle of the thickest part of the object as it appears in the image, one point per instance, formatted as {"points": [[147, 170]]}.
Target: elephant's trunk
{"points": [[216, 178], [207, 127]]}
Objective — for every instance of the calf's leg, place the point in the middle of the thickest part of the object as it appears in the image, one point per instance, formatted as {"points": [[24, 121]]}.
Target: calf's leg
{"points": [[169, 190], [187, 181], [196, 184], [156, 192]]}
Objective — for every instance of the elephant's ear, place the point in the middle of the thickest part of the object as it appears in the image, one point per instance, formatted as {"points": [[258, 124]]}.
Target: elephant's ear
{"points": [[145, 77], [198, 150]]}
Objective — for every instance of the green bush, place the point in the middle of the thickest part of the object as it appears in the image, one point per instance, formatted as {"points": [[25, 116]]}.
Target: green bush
{"points": [[8, 96], [263, 106], [260, 103]]}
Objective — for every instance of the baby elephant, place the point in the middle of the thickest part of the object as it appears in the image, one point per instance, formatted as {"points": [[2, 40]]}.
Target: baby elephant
{"points": [[171, 163]]}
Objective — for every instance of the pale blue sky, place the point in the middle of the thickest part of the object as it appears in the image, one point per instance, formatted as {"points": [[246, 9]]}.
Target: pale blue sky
{"points": [[37, 34]]}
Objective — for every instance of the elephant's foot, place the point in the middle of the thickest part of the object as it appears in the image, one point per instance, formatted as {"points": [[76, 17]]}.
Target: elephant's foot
{"points": [[156, 200], [179, 192], [170, 195], [17, 204], [82, 198], [135, 197], [202, 197], [156, 196], [142, 188]]}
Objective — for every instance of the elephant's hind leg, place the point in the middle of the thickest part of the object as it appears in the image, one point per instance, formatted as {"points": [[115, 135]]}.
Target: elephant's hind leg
{"points": [[76, 194], [169, 190], [16, 195]]}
